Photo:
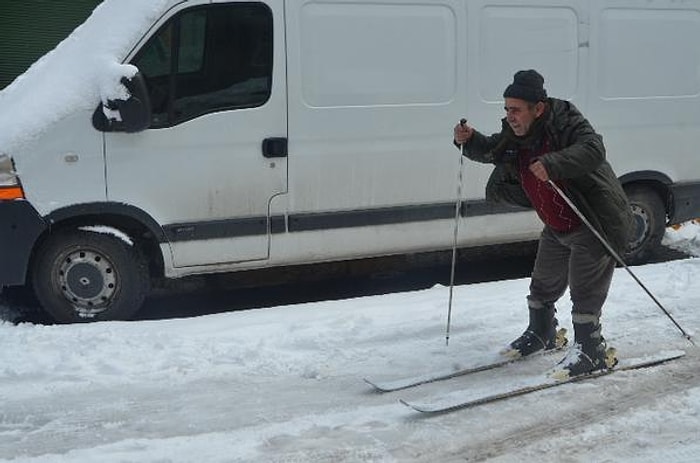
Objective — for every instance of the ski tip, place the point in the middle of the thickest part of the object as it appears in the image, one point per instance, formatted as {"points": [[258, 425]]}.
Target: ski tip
{"points": [[373, 385], [378, 387], [431, 409], [412, 406]]}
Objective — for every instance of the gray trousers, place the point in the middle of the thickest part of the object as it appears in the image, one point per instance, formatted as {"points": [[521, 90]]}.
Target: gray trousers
{"points": [[577, 260]]}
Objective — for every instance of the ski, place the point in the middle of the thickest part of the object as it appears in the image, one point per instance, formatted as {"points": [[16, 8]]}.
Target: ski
{"points": [[408, 382], [532, 384], [498, 362]]}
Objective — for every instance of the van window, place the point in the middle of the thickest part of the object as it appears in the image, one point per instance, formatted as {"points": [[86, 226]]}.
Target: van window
{"points": [[208, 59]]}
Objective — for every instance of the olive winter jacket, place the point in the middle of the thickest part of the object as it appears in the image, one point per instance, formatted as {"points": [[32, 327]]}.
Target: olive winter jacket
{"points": [[577, 157]]}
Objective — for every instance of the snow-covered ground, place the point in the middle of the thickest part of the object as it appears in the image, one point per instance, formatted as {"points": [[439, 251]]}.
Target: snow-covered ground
{"points": [[284, 384]]}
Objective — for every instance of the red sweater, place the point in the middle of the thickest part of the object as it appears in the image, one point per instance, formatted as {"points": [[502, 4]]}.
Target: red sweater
{"points": [[551, 208]]}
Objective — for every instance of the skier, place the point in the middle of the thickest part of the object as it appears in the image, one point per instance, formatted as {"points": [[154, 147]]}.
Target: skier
{"points": [[545, 139]]}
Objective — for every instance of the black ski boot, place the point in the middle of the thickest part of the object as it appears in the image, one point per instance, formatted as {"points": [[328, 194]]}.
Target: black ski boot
{"points": [[588, 354], [541, 333]]}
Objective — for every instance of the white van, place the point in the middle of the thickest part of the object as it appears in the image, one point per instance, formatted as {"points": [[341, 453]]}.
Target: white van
{"points": [[282, 132]]}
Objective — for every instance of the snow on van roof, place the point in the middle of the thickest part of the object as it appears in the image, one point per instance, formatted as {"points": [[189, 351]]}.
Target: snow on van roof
{"points": [[81, 70]]}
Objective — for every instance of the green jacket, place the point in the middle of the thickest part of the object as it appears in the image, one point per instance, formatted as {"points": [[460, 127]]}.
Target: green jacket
{"points": [[577, 156]]}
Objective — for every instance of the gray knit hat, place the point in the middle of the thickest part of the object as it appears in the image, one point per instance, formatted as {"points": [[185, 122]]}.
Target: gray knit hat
{"points": [[527, 85]]}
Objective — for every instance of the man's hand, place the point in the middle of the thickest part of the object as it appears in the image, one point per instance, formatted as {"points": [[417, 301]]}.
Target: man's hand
{"points": [[539, 171], [463, 133]]}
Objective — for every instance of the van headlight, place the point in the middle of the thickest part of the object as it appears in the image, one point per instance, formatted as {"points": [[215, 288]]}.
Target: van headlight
{"points": [[10, 187]]}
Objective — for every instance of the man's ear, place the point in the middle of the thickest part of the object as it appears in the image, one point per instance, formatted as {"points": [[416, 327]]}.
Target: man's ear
{"points": [[539, 108]]}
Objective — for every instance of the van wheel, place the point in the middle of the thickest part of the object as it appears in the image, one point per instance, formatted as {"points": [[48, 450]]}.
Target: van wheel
{"points": [[84, 276], [650, 223]]}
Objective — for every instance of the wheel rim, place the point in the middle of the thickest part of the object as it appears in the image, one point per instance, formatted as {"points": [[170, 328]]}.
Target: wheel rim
{"points": [[641, 226], [88, 281]]}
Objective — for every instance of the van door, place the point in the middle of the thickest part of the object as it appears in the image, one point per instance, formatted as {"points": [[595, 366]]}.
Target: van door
{"points": [[215, 154]]}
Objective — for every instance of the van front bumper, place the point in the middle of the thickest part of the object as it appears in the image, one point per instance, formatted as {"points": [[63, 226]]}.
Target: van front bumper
{"points": [[20, 226]]}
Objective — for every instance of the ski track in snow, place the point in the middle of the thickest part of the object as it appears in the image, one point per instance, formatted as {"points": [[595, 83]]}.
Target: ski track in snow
{"points": [[593, 419]]}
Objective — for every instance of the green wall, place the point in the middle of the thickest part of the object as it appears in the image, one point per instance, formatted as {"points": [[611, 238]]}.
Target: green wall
{"points": [[30, 28]]}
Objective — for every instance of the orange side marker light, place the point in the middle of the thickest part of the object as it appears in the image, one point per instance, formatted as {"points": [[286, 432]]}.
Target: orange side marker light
{"points": [[10, 193]]}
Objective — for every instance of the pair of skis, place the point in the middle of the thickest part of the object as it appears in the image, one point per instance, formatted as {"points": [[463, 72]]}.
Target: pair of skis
{"points": [[467, 399]]}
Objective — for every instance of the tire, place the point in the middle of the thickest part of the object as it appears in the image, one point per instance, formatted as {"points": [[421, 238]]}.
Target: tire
{"points": [[84, 276], [650, 223]]}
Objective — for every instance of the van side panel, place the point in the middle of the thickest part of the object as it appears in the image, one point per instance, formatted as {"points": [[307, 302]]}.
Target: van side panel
{"points": [[646, 86], [373, 87], [65, 166]]}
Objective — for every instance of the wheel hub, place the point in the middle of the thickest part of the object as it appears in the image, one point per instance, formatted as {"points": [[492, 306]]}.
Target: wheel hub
{"points": [[88, 280], [641, 219]]}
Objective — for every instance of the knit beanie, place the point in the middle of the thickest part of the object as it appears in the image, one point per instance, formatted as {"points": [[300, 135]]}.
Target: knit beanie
{"points": [[527, 85]]}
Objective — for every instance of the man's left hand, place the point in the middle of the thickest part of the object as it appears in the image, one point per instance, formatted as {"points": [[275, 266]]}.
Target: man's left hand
{"points": [[539, 171]]}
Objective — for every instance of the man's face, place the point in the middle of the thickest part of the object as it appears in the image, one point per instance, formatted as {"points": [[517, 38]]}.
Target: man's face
{"points": [[520, 114]]}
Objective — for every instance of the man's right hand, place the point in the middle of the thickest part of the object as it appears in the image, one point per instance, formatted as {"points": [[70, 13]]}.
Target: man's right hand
{"points": [[463, 133]]}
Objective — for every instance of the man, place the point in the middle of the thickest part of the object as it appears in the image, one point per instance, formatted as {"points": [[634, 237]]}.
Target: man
{"points": [[545, 139]]}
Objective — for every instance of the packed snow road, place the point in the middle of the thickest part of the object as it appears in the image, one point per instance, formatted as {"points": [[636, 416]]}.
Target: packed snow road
{"points": [[284, 384]]}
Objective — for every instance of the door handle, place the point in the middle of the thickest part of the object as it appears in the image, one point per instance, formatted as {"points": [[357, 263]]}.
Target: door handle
{"points": [[274, 147]]}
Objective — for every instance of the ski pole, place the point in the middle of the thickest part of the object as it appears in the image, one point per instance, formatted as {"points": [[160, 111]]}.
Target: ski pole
{"points": [[618, 258], [458, 206]]}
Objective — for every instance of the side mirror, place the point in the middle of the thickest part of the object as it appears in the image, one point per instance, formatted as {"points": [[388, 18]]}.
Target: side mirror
{"points": [[130, 115]]}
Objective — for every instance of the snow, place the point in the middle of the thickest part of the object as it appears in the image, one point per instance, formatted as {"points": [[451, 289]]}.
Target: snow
{"points": [[83, 69], [285, 383], [109, 231]]}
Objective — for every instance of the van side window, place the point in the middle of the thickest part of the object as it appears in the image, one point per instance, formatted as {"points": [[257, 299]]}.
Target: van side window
{"points": [[208, 59]]}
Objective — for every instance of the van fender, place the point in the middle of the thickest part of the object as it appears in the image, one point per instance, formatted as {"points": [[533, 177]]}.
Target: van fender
{"points": [[646, 176], [680, 198], [657, 182], [107, 210], [133, 221]]}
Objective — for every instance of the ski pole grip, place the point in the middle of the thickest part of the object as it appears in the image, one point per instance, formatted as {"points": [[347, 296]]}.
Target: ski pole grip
{"points": [[462, 122]]}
